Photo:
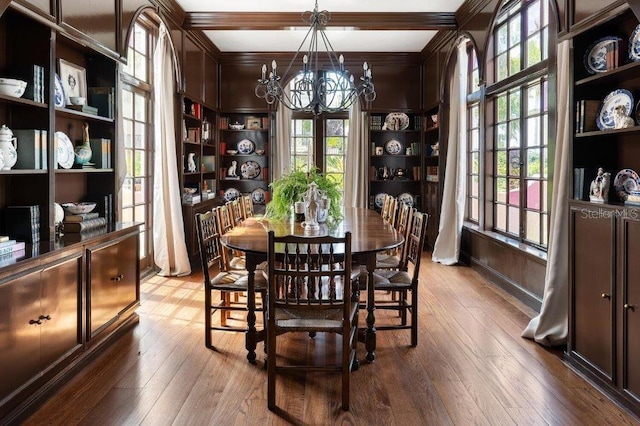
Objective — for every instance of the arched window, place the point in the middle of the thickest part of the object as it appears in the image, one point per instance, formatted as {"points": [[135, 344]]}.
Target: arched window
{"points": [[474, 147], [517, 120]]}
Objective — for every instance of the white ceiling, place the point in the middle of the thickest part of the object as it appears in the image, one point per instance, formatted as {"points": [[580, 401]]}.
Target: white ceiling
{"points": [[343, 40]]}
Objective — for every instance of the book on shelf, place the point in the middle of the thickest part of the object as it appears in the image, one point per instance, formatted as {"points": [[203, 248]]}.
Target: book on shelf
{"points": [[265, 123], [375, 122], [34, 76], [101, 152], [84, 108], [11, 258], [104, 205], [103, 98], [586, 114], [32, 152], [22, 223], [84, 225], [193, 134], [81, 217], [12, 248], [223, 123]]}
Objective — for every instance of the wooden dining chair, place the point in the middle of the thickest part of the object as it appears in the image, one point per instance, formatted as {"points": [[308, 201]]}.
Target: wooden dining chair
{"points": [[247, 206], [389, 209], [218, 276], [310, 291], [224, 216], [404, 279], [235, 209], [396, 258]]}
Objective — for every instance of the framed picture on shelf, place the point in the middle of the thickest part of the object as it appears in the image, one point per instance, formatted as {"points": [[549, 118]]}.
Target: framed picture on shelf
{"points": [[253, 123], [74, 80]]}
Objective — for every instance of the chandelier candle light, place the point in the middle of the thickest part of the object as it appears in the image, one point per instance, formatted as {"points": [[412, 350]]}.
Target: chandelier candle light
{"points": [[313, 90]]}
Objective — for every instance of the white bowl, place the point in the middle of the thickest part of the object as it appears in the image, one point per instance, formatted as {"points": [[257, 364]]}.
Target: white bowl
{"points": [[79, 208], [12, 87], [77, 100], [232, 152], [236, 126]]}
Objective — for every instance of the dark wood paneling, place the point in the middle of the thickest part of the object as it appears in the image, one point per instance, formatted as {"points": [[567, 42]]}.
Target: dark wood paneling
{"points": [[585, 10], [210, 82], [96, 19], [193, 68], [286, 20], [397, 86], [43, 6], [130, 9]]}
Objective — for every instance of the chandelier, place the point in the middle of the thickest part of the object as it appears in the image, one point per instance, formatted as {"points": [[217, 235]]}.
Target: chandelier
{"points": [[312, 88]]}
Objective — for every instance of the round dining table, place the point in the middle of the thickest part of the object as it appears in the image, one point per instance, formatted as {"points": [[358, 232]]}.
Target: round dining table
{"points": [[370, 234]]}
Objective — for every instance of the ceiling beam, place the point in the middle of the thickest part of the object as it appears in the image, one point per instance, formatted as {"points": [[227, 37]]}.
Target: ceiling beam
{"points": [[285, 20]]}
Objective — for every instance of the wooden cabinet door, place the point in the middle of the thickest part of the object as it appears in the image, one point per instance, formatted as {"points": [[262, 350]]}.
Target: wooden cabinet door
{"points": [[127, 276], [19, 332], [630, 283], [593, 235], [102, 287], [61, 296]]}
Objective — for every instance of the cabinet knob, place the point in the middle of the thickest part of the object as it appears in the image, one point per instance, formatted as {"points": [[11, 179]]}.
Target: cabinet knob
{"points": [[605, 296], [117, 278], [45, 317], [629, 307], [35, 322]]}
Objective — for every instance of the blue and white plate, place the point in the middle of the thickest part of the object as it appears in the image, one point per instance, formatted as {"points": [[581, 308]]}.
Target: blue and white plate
{"points": [[65, 155], [250, 170], [627, 181], [245, 146], [595, 58], [257, 195], [378, 200], [604, 119], [393, 147], [406, 198], [231, 194], [59, 98], [634, 45]]}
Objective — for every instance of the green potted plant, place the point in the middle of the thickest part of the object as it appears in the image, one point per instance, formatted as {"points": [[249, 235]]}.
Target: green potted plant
{"points": [[289, 188]]}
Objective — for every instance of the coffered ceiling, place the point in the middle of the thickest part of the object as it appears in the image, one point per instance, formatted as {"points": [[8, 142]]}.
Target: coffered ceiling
{"points": [[355, 26]]}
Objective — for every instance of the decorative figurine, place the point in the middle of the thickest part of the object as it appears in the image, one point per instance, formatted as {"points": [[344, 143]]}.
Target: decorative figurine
{"points": [[620, 118], [599, 190], [232, 170], [311, 198], [191, 162], [83, 152], [435, 149]]}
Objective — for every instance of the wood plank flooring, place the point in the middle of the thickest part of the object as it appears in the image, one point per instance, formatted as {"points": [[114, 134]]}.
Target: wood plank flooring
{"points": [[470, 367]]}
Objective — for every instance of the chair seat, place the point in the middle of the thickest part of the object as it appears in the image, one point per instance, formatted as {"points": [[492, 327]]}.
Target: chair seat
{"points": [[387, 261], [391, 280], [327, 320], [237, 281]]}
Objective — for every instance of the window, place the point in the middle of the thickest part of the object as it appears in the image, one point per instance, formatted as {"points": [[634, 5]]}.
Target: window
{"points": [[473, 135], [518, 104], [136, 123]]}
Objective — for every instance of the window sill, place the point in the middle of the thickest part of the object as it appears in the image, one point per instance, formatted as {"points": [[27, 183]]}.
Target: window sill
{"points": [[510, 242]]}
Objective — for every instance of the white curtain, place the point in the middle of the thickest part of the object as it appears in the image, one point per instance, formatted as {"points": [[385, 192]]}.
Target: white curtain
{"points": [[447, 246], [550, 327], [356, 168], [281, 153], [168, 226]]}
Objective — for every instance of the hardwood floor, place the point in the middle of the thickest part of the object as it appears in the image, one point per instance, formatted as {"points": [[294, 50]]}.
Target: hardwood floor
{"points": [[470, 366]]}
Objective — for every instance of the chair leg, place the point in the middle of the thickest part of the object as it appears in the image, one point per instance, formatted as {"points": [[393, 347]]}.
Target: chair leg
{"points": [[402, 303], [414, 317], [207, 318], [224, 297], [271, 366], [346, 365]]}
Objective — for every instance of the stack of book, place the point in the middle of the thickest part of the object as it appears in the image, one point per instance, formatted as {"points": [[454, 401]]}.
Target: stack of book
{"points": [[32, 154], [103, 98], [83, 222], [223, 123], [22, 223], [101, 153], [104, 204], [375, 122], [586, 113], [10, 250]]}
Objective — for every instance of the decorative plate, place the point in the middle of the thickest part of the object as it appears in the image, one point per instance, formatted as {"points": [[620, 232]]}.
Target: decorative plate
{"points": [[64, 150], [250, 170], [245, 146], [634, 45], [406, 198], [393, 147], [257, 195], [396, 121], [59, 97], [595, 58], [604, 119], [231, 194], [378, 200], [626, 181]]}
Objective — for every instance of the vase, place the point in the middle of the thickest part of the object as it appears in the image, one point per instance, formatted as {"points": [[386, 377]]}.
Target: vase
{"points": [[83, 153], [323, 209], [8, 149]]}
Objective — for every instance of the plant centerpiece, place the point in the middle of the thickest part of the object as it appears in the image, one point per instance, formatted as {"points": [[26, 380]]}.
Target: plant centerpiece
{"points": [[289, 188]]}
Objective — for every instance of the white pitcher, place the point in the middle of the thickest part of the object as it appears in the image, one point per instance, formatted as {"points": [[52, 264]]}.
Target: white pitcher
{"points": [[8, 148]]}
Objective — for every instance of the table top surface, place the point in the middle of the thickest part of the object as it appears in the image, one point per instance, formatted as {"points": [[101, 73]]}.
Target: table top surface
{"points": [[369, 233]]}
